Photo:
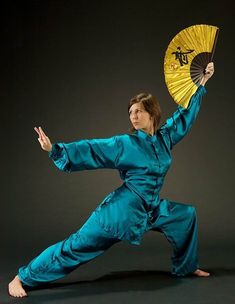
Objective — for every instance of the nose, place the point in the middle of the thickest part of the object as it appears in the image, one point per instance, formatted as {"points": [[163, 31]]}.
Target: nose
{"points": [[133, 116]]}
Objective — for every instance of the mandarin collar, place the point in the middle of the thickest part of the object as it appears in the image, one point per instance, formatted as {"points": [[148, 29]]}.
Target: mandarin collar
{"points": [[144, 135]]}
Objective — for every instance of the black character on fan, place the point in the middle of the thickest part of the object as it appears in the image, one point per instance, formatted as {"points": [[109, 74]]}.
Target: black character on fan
{"points": [[182, 56]]}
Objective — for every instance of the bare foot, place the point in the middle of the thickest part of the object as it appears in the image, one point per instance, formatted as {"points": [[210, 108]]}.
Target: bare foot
{"points": [[201, 273], [15, 288]]}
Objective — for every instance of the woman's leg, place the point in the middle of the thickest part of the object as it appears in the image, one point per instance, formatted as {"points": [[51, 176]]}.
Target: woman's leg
{"points": [[181, 230], [60, 259]]}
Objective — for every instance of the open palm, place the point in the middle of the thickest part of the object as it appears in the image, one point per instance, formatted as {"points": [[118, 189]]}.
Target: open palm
{"points": [[43, 139]]}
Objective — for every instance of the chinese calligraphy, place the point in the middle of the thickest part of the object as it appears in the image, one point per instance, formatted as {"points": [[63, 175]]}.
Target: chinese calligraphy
{"points": [[182, 56]]}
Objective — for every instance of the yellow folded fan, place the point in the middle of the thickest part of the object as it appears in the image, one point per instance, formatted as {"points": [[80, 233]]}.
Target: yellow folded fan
{"points": [[186, 58]]}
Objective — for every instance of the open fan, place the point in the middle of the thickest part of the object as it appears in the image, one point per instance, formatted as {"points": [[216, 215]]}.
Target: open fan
{"points": [[186, 58]]}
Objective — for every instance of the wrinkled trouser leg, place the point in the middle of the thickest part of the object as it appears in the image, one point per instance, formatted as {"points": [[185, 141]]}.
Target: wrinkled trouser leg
{"points": [[181, 230], [63, 257]]}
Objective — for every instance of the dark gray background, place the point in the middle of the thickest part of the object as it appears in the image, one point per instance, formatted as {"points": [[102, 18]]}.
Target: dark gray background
{"points": [[71, 67]]}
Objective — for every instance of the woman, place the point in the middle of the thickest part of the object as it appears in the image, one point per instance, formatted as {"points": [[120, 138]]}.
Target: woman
{"points": [[143, 159]]}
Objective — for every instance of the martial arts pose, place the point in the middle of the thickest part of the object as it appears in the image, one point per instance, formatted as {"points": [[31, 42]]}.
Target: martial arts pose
{"points": [[143, 159]]}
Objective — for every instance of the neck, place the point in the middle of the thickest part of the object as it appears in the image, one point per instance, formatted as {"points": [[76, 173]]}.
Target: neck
{"points": [[149, 131]]}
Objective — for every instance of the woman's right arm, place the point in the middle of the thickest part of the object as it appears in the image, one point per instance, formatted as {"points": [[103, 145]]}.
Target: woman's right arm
{"points": [[85, 154]]}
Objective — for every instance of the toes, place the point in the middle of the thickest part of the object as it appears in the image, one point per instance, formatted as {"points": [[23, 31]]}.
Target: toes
{"points": [[201, 273], [17, 294], [23, 294]]}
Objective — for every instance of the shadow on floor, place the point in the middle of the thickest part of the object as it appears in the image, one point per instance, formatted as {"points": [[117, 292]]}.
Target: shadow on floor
{"points": [[123, 281]]}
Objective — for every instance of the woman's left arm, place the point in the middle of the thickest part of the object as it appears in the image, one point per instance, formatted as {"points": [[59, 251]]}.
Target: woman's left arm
{"points": [[179, 124]]}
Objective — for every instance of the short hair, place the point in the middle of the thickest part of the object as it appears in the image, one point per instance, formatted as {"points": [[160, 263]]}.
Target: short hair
{"points": [[151, 105]]}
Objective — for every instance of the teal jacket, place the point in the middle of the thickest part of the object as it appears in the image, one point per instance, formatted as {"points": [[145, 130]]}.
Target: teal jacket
{"points": [[142, 161]]}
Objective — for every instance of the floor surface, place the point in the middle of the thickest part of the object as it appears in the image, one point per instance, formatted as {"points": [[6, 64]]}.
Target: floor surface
{"points": [[134, 274]]}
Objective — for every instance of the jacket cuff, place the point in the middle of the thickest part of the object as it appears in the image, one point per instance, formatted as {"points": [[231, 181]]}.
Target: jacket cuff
{"points": [[202, 89], [55, 152]]}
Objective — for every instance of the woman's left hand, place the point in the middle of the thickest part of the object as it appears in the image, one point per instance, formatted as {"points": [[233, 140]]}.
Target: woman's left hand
{"points": [[209, 71]]}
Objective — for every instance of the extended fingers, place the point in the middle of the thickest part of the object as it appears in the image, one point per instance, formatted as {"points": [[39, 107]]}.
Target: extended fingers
{"points": [[42, 133], [36, 129]]}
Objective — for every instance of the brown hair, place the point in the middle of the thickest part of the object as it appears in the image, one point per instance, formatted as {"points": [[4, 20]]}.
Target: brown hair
{"points": [[151, 105]]}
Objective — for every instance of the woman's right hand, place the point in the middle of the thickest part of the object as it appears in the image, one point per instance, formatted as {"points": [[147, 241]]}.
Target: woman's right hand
{"points": [[43, 140]]}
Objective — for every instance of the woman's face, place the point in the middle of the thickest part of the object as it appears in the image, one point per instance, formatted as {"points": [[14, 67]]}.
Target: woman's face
{"points": [[140, 118]]}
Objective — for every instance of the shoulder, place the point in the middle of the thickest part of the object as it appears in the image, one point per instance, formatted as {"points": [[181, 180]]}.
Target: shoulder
{"points": [[128, 140], [125, 137], [163, 130], [164, 135]]}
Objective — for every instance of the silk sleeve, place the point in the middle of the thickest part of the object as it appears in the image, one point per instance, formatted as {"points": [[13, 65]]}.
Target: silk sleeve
{"points": [[179, 124], [86, 154]]}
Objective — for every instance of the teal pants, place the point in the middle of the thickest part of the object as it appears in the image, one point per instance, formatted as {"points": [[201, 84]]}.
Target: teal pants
{"points": [[90, 241]]}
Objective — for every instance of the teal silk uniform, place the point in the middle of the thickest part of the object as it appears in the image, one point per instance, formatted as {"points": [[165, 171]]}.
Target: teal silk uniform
{"points": [[132, 209]]}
